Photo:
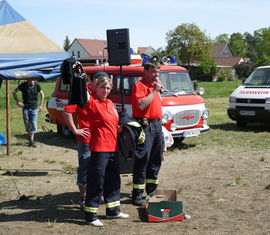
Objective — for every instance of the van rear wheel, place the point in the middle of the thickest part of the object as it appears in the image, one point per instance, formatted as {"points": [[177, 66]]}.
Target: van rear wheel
{"points": [[241, 123]]}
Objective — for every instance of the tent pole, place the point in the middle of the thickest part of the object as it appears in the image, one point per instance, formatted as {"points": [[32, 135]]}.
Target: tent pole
{"points": [[8, 116]]}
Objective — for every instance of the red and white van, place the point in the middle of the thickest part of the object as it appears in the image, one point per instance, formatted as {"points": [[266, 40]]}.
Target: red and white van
{"points": [[184, 112]]}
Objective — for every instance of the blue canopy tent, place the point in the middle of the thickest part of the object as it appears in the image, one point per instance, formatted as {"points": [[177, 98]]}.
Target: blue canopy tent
{"points": [[25, 53]]}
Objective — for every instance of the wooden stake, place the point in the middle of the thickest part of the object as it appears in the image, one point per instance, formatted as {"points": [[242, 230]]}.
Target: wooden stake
{"points": [[8, 116]]}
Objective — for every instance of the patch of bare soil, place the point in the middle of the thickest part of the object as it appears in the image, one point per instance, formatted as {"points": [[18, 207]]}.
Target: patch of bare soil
{"points": [[224, 191]]}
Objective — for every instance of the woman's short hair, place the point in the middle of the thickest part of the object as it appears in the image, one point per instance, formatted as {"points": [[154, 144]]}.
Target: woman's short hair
{"points": [[103, 81]]}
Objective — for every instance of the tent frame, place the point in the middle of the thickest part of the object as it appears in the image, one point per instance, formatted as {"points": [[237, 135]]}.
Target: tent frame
{"points": [[8, 115]]}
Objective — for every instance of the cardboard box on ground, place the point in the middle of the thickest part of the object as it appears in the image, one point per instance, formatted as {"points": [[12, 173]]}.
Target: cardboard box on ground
{"points": [[163, 206]]}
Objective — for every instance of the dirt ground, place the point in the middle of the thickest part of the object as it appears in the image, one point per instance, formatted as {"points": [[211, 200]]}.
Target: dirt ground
{"points": [[224, 190]]}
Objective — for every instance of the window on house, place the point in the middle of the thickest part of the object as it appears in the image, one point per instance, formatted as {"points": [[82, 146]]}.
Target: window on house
{"points": [[79, 56]]}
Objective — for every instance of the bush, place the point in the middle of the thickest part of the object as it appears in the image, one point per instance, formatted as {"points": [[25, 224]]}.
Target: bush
{"points": [[244, 69], [221, 77], [225, 74], [206, 69]]}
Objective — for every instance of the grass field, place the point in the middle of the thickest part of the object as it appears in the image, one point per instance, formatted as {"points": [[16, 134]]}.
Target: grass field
{"points": [[223, 130], [219, 89], [16, 121]]}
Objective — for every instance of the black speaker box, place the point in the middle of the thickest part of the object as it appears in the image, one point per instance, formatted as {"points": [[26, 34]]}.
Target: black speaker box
{"points": [[118, 46]]}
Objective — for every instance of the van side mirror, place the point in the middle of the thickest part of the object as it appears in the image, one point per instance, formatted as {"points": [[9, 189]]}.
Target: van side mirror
{"points": [[195, 85]]}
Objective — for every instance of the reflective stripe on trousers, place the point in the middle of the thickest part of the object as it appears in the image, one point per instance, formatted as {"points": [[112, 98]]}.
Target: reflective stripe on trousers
{"points": [[112, 204]]}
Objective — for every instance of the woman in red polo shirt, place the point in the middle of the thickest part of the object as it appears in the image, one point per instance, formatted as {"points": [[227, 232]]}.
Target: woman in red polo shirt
{"points": [[103, 168]]}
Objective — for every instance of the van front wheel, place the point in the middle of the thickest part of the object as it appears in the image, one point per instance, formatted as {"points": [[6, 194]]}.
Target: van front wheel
{"points": [[178, 140], [241, 123]]}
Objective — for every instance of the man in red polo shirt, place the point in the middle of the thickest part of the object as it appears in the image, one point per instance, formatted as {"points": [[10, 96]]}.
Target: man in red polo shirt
{"points": [[146, 107]]}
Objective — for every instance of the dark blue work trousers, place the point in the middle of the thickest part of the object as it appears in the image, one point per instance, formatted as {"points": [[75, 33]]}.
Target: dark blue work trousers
{"points": [[103, 178], [145, 170]]}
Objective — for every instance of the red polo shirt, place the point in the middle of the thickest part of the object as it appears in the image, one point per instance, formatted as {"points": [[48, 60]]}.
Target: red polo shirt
{"points": [[82, 118], [140, 90], [104, 119]]}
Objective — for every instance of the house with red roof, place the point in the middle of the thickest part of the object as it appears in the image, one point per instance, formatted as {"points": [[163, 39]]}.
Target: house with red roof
{"points": [[146, 51], [88, 48], [83, 49], [224, 57]]}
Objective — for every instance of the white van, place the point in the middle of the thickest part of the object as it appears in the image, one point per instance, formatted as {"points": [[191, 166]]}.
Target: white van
{"points": [[250, 102]]}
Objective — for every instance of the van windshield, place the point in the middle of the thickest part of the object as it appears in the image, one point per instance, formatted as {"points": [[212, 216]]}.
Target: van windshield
{"points": [[259, 77], [176, 82]]}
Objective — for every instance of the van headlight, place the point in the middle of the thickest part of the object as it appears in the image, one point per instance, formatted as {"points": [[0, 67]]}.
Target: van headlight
{"points": [[201, 91], [232, 99], [205, 114], [267, 100], [165, 117]]}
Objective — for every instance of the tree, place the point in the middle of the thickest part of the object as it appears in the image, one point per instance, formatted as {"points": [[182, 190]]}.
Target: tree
{"points": [[224, 37], [66, 44], [189, 42], [207, 68], [244, 69], [252, 43], [160, 52], [263, 46], [238, 45], [263, 60]]}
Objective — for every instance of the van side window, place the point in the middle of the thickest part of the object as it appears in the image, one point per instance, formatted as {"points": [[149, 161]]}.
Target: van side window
{"points": [[64, 87], [129, 81]]}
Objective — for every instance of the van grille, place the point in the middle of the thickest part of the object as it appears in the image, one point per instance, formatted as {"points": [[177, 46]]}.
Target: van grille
{"points": [[250, 101], [187, 118], [249, 108]]}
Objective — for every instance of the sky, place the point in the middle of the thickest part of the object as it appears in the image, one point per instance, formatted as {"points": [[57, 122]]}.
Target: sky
{"points": [[148, 21]]}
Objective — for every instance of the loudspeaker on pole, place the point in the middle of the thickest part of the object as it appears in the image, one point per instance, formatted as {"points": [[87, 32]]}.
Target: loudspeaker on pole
{"points": [[118, 46]]}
